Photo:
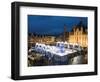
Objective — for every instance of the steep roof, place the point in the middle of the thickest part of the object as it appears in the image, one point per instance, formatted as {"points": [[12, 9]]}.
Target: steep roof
{"points": [[79, 26]]}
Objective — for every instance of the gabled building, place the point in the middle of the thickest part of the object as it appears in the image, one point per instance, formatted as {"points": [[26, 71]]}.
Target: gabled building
{"points": [[79, 34]]}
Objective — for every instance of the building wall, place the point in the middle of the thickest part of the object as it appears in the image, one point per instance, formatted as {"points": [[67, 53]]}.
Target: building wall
{"points": [[78, 36], [40, 39]]}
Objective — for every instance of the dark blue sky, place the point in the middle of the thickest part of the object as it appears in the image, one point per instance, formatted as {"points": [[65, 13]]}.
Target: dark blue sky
{"points": [[52, 24]]}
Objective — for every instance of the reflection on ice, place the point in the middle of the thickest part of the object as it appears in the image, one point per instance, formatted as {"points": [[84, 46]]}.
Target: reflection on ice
{"points": [[59, 53]]}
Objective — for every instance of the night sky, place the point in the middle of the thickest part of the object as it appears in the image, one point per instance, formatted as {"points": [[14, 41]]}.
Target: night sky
{"points": [[52, 24]]}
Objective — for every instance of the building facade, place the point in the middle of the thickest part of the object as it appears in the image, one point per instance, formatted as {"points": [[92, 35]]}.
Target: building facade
{"points": [[79, 35], [45, 39]]}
